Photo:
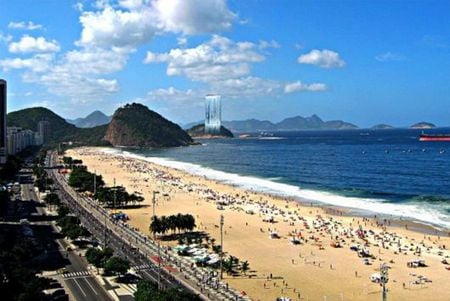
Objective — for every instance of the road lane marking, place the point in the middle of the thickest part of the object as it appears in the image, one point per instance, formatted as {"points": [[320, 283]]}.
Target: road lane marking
{"points": [[79, 286], [90, 285]]}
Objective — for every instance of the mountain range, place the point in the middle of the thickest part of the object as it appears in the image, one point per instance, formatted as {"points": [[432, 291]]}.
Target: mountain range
{"points": [[94, 119], [296, 123], [132, 125]]}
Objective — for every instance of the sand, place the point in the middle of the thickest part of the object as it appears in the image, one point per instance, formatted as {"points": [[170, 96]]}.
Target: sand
{"points": [[313, 270]]}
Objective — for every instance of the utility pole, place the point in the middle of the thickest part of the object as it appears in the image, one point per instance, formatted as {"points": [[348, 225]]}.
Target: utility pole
{"points": [[159, 245], [154, 201], [221, 246], [115, 196], [95, 184], [104, 242], [384, 279]]}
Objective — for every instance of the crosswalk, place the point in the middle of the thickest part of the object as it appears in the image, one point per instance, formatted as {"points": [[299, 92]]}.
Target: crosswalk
{"points": [[76, 274], [140, 267]]}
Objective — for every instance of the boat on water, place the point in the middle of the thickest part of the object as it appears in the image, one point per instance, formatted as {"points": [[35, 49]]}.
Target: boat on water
{"points": [[434, 137]]}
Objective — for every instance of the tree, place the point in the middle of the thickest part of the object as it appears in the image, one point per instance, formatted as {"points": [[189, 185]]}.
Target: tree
{"points": [[245, 266], [116, 266], [52, 199], [148, 291], [155, 225], [98, 257], [63, 210], [95, 257]]}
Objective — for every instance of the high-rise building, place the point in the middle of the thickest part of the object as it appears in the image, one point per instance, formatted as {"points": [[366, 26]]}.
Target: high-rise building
{"points": [[18, 139], [44, 130], [213, 114], [3, 146]]}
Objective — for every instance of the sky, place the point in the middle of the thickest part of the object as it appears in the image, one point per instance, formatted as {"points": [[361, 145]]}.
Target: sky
{"points": [[365, 62]]}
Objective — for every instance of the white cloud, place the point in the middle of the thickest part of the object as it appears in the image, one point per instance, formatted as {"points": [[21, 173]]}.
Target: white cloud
{"points": [[5, 38], [299, 86], [131, 4], [247, 87], [182, 41], [268, 44], [136, 22], [218, 59], [93, 61], [389, 56], [78, 6], [31, 44], [322, 58], [37, 63], [194, 16], [116, 28], [24, 25], [79, 88], [173, 94]]}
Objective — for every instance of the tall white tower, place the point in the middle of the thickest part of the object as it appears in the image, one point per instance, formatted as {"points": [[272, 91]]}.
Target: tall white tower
{"points": [[213, 114]]}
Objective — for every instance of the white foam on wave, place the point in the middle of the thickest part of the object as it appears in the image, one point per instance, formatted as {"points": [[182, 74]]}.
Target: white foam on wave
{"points": [[418, 212]]}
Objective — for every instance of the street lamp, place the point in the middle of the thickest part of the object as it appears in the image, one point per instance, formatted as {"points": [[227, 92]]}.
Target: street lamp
{"points": [[155, 192], [221, 246], [384, 279]]}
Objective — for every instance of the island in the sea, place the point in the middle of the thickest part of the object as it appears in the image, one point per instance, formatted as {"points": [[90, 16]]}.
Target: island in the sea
{"points": [[423, 125], [198, 131]]}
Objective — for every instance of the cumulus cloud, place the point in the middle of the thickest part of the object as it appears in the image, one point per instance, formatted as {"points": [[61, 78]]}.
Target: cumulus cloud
{"points": [[135, 22], [299, 86], [194, 16], [24, 25], [224, 66], [116, 28], [218, 59], [37, 63], [31, 44], [93, 61], [5, 38], [173, 94], [322, 58], [390, 56]]}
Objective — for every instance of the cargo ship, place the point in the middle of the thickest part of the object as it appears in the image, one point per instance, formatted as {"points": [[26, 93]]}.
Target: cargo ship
{"points": [[434, 137]]}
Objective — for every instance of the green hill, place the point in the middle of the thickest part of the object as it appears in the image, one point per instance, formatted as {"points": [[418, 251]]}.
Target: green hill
{"points": [[60, 129], [135, 125]]}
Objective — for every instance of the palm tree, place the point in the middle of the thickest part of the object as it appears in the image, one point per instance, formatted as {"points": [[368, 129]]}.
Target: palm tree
{"points": [[156, 225], [245, 266]]}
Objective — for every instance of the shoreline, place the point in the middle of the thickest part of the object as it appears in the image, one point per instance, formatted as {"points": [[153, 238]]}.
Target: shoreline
{"points": [[424, 227], [247, 238]]}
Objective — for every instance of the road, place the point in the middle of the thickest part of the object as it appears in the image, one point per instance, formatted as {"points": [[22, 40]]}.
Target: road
{"points": [[81, 283], [164, 266]]}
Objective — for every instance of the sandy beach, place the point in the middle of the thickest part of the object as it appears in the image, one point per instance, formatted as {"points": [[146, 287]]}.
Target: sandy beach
{"points": [[311, 270]]}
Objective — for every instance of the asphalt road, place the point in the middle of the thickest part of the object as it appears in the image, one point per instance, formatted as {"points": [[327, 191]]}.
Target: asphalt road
{"points": [[138, 248], [80, 282]]}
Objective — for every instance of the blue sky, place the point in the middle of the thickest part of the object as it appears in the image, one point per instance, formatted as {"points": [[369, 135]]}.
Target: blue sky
{"points": [[365, 62]]}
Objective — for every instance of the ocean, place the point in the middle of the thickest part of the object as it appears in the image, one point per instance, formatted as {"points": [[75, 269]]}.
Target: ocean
{"points": [[387, 172]]}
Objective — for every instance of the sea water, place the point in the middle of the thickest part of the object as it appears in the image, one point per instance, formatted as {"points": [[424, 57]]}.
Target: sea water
{"points": [[387, 172]]}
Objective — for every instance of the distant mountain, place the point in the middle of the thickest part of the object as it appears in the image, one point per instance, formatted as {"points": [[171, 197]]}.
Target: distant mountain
{"points": [[250, 125], [423, 125], [382, 126], [296, 123], [60, 129], [94, 119], [198, 131], [135, 125]]}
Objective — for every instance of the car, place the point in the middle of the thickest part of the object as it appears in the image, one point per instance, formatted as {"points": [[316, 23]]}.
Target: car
{"points": [[24, 221], [58, 292], [55, 284]]}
